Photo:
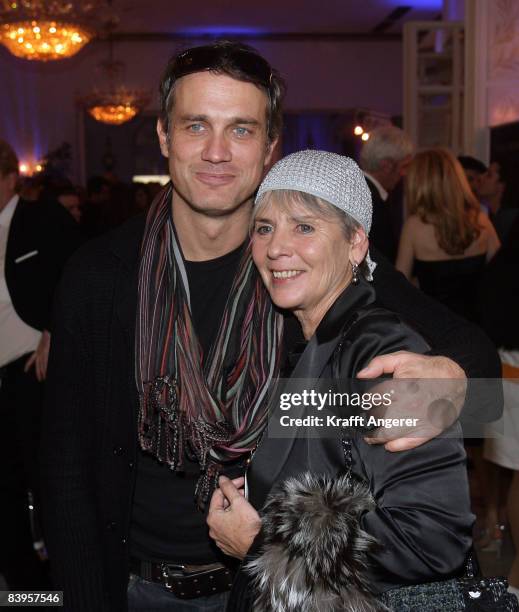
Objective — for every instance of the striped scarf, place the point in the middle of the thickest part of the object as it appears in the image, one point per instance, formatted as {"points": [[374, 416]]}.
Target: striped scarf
{"points": [[213, 413]]}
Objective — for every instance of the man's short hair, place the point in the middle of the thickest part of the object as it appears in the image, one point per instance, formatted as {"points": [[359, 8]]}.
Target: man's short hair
{"points": [[388, 142], [8, 159], [471, 163], [233, 59]]}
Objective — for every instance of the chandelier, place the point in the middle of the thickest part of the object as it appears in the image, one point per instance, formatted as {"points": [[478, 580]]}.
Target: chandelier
{"points": [[114, 103], [47, 29]]}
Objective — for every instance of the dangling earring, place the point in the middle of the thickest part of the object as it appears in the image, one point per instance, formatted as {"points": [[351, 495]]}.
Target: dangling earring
{"points": [[355, 273]]}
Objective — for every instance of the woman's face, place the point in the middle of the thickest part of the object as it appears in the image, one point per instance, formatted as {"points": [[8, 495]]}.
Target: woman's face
{"points": [[303, 258]]}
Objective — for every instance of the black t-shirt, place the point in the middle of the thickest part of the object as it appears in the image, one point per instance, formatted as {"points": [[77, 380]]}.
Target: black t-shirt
{"points": [[166, 525]]}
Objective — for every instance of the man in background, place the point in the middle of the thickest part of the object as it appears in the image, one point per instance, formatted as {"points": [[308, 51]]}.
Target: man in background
{"points": [[35, 241], [493, 188], [384, 159], [475, 171]]}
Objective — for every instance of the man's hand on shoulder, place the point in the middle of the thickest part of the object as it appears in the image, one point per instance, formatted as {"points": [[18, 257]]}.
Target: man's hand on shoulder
{"points": [[436, 403]]}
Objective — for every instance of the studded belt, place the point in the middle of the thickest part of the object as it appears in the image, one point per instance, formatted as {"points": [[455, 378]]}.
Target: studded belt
{"points": [[185, 581]]}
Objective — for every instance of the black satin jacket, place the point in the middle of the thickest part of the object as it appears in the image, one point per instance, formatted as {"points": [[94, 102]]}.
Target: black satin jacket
{"points": [[422, 516]]}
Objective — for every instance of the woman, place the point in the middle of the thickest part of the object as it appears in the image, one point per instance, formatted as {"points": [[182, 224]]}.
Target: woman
{"points": [[446, 238], [345, 523], [446, 242]]}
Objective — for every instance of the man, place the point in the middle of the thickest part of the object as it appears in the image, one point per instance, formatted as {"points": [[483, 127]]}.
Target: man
{"points": [[384, 159], [162, 333], [490, 186], [475, 171], [35, 241]]}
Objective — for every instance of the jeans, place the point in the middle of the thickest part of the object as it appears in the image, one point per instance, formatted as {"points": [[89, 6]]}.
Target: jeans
{"points": [[151, 597]]}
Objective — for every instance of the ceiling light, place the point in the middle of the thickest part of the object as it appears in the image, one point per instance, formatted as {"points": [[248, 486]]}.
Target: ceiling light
{"points": [[47, 29], [112, 101]]}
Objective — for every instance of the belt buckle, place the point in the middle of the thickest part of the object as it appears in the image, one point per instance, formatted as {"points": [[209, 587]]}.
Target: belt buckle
{"points": [[165, 569]]}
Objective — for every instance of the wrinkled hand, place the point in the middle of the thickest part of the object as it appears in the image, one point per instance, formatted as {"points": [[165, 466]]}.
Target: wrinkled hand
{"points": [[40, 358], [233, 521], [436, 404]]}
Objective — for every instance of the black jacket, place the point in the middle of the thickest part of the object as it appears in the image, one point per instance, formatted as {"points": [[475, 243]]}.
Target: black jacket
{"points": [[90, 421], [421, 515], [382, 234], [498, 299], [46, 235]]}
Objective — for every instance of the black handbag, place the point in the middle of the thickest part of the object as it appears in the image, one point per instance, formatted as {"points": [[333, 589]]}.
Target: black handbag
{"points": [[482, 593], [470, 592]]}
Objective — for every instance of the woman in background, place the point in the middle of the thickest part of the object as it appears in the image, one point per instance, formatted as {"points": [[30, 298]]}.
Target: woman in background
{"points": [[445, 242], [446, 239]]}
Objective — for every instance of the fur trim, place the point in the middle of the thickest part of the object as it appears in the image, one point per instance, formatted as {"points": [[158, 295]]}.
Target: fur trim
{"points": [[315, 553]]}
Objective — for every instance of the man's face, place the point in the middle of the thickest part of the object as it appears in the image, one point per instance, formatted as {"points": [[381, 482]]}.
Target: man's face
{"points": [[490, 183], [474, 180], [217, 146], [7, 187]]}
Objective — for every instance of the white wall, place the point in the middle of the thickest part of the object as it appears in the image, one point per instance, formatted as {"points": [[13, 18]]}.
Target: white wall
{"points": [[492, 70], [37, 101]]}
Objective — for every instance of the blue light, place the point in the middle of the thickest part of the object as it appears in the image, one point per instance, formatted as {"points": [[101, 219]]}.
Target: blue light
{"points": [[220, 30], [417, 4]]}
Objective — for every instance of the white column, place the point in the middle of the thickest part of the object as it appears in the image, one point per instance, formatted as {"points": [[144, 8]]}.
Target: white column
{"points": [[492, 70]]}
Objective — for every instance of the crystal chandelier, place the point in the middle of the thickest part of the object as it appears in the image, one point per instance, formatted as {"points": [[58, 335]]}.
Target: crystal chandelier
{"points": [[47, 29], [114, 103]]}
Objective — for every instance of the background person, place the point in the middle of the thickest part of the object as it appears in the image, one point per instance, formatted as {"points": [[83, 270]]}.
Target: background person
{"points": [[493, 188], [498, 195], [474, 170], [384, 159], [446, 239], [446, 242], [36, 239]]}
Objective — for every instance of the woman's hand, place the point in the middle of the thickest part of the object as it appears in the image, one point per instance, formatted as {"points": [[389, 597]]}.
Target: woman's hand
{"points": [[233, 522]]}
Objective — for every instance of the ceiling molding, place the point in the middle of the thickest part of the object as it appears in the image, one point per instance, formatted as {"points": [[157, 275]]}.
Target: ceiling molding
{"points": [[391, 19]]}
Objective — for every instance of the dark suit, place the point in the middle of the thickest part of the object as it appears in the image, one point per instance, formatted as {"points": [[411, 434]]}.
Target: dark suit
{"points": [[46, 234], [41, 238], [382, 234]]}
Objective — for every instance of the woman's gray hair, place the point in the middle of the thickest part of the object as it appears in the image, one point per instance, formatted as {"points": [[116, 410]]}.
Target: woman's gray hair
{"points": [[284, 198]]}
